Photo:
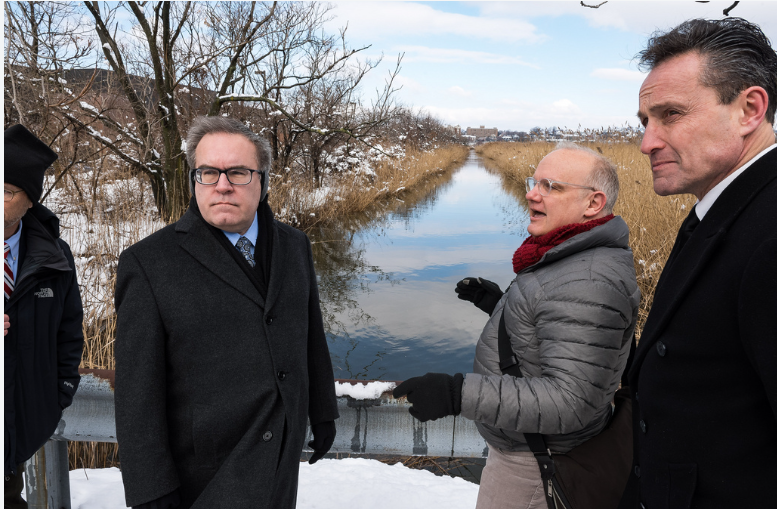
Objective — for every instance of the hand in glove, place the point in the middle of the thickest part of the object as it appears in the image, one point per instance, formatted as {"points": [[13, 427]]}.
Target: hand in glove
{"points": [[434, 395], [483, 293], [323, 438]]}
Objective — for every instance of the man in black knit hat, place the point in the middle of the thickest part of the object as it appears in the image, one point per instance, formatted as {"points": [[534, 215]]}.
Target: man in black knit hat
{"points": [[43, 312]]}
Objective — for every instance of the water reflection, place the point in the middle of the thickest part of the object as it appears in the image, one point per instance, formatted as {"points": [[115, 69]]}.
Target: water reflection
{"points": [[387, 277]]}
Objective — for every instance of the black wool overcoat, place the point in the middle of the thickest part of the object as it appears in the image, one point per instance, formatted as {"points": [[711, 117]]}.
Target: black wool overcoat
{"points": [[44, 344], [214, 384], [704, 377]]}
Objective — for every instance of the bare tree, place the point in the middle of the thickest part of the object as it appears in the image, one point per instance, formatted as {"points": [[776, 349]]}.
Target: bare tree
{"points": [[183, 59]]}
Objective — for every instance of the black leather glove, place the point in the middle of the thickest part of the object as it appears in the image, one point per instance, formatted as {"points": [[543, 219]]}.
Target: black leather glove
{"points": [[323, 437], [169, 501], [483, 293], [434, 395]]}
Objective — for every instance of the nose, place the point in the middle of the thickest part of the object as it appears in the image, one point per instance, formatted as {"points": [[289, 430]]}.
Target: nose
{"points": [[534, 194], [651, 140], [223, 185]]}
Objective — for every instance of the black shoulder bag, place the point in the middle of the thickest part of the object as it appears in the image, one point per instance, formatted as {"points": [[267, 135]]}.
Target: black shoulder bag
{"points": [[594, 474]]}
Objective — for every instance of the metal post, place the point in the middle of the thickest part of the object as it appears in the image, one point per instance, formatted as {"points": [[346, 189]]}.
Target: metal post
{"points": [[47, 477]]}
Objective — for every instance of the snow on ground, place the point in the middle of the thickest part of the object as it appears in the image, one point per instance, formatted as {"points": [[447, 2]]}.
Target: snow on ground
{"points": [[349, 483], [371, 390]]}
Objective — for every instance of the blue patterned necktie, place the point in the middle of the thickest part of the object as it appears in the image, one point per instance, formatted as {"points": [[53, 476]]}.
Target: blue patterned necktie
{"points": [[244, 246]]}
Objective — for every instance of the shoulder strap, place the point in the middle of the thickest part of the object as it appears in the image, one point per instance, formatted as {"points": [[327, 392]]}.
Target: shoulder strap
{"points": [[508, 364]]}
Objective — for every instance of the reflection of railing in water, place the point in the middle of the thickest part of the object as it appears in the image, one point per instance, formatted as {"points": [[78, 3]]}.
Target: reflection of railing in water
{"points": [[380, 426]]}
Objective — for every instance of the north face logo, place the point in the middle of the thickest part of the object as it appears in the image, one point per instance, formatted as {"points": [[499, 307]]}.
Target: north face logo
{"points": [[44, 292]]}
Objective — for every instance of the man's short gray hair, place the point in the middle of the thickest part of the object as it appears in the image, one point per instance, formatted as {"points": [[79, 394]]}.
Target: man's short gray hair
{"points": [[212, 125], [602, 177]]}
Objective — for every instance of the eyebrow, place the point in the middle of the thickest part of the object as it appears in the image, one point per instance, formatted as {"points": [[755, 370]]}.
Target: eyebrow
{"points": [[238, 167]]}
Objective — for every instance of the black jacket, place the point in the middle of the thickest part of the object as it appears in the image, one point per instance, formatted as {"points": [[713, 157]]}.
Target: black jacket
{"points": [[704, 377], [214, 383], [44, 344]]}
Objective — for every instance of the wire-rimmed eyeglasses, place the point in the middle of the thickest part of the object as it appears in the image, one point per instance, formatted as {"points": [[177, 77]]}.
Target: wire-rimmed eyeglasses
{"points": [[235, 176], [8, 195], [545, 185]]}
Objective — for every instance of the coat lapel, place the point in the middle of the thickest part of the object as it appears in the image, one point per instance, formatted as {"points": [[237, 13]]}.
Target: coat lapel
{"points": [[198, 241], [277, 265], [691, 262]]}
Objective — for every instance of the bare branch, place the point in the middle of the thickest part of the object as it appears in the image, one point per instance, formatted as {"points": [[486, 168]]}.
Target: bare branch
{"points": [[593, 6], [729, 8]]}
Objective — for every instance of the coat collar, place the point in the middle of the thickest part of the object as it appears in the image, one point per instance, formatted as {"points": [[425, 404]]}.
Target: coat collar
{"points": [[198, 241], [691, 262]]}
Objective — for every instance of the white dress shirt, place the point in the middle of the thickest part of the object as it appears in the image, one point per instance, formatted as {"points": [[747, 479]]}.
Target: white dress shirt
{"points": [[705, 204]]}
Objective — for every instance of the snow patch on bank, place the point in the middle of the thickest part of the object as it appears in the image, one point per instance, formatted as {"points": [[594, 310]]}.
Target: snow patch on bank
{"points": [[372, 390]]}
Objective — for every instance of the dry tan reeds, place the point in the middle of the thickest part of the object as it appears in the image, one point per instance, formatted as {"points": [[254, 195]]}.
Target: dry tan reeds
{"points": [[301, 205], [653, 220]]}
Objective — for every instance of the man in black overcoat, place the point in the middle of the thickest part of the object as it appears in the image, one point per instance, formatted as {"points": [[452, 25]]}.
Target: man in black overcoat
{"points": [[704, 377], [42, 313], [221, 355]]}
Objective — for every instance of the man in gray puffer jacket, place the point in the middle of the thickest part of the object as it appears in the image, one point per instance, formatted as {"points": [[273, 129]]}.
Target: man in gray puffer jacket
{"points": [[570, 314]]}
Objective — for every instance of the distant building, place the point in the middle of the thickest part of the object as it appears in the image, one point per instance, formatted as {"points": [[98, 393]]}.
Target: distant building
{"points": [[453, 129], [482, 132]]}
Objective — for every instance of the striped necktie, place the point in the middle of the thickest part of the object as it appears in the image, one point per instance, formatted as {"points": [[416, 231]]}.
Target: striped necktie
{"points": [[244, 246], [8, 274]]}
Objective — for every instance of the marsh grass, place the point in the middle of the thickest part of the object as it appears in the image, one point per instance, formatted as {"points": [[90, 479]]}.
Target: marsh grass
{"points": [[302, 205], [105, 209], [653, 220]]}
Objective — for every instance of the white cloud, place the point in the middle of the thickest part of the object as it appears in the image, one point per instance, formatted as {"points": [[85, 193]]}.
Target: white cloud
{"points": [[370, 20], [458, 91], [642, 17], [618, 74], [408, 84], [565, 107], [458, 56]]}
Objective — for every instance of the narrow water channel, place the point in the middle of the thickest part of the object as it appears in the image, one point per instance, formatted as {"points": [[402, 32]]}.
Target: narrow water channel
{"points": [[387, 279]]}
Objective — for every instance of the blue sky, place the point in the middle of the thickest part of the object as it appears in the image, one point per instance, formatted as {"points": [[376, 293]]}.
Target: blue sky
{"points": [[516, 65]]}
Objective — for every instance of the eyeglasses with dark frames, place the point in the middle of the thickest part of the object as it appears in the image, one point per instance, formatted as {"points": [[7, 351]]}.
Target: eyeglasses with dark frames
{"points": [[546, 185], [235, 176]]}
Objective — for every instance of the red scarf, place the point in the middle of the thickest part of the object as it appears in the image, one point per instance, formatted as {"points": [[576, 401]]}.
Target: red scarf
{"points": [[535, 248]]}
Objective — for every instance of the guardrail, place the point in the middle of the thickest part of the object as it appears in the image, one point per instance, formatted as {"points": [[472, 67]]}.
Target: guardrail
{"points": [[379, 426]]}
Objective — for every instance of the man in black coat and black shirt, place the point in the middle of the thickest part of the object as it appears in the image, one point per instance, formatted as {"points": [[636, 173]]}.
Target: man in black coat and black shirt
{"points": [[704, 376], [43, 314], [221, 355]]}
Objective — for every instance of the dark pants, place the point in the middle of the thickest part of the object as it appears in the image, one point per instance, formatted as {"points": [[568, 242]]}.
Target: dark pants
{"points": [[14, 484]]}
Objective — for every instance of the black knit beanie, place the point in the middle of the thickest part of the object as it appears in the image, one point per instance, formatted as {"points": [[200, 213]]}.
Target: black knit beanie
{"points": [[26, 160]]}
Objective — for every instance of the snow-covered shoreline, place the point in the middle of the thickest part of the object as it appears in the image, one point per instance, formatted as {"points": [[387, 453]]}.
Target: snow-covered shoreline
{"points": [[348, 483]]}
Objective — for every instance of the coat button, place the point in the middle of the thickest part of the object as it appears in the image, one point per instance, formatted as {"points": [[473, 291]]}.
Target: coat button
{"points": [[661, 348], [636, 396], [637, 471], [281, 375], [268, 320], [267, 436], [643, 426]]}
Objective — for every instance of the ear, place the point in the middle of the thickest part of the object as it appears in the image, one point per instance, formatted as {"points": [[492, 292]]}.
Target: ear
{"points": [[753, 102], [596, 202]]}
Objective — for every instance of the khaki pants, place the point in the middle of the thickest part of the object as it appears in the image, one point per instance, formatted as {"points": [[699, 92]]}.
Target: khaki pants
{"points": [[511, 480]]}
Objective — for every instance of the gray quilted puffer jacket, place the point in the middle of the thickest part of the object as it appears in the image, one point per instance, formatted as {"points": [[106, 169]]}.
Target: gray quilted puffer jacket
{"points": [[570, 318]]}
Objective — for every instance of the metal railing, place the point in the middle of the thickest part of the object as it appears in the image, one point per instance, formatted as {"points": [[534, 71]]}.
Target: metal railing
{"points": [[380, 426]]}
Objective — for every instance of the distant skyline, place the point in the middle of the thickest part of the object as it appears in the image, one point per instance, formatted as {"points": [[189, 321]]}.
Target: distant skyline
{"points": [[517, 65]]}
